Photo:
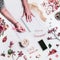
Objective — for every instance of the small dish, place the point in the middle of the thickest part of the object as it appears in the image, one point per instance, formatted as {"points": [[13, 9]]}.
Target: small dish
{"points": [[24, 43], [57, 15]]}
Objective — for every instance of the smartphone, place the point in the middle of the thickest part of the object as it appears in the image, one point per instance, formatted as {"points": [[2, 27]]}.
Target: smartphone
{"points": [[42, 44]]}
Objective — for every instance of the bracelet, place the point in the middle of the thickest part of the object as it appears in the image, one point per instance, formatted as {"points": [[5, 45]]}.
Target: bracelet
{"points": [[16, 23]]}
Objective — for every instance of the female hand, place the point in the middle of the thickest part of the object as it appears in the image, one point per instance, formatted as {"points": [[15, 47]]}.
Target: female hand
{"points": [[28, 14]]}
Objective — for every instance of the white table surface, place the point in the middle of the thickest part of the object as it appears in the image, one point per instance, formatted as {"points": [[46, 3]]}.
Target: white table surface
{"points": [[37, 27]]}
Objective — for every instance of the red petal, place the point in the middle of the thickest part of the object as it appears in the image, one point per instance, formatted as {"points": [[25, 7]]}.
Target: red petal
{"points": [[50, 58], [4, 39], [52, 52], [57, 56]]}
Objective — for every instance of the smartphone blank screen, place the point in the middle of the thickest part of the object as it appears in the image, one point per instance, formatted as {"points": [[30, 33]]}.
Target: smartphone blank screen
{"points": [[42, 44]]}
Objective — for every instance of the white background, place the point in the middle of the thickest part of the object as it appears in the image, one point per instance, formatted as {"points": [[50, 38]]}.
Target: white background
{"points": [[16, 10]]}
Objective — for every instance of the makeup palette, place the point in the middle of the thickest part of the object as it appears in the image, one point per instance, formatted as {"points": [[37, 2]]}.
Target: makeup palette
{"points": [[24, 43]]}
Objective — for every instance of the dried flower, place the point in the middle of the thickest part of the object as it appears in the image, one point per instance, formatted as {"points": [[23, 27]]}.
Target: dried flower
{"points": [[3, 54], [49, 31], [11, 44], [49, 38], [52, 30], [25, 58], [3, 26], [20, 53], [59, 34]]}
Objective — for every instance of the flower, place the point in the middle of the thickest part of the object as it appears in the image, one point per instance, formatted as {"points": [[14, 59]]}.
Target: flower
{"points": [[59, 34], [49, 38], [52, 30], [52, 52], [11, 43], [20, 53], [49, 31]]}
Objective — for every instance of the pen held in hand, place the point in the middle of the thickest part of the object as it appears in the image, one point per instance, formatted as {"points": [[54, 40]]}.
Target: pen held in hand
{"points": [[25, 25]]}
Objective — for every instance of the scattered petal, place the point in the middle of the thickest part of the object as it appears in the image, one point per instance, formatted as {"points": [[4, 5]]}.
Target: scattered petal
{"points": [[10, 51], [59, 34], [57, 56], [52, 52], [4, 39], [50, 58], [3, 54], [57, 45], [49, 38]]}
